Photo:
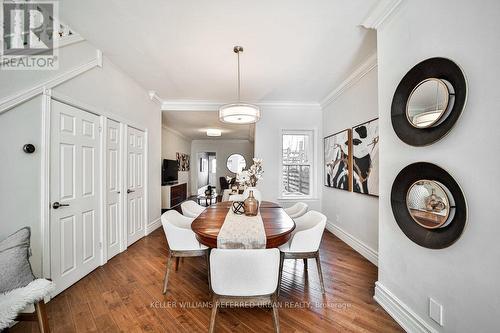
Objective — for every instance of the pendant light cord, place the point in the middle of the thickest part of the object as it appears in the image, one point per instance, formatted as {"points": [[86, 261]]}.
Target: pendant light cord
{"points": [[239, 99]]}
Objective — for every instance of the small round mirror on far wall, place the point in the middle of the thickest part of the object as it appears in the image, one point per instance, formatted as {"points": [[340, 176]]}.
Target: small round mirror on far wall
{"points": [[236, 163], [428, 203], [428, 103]]}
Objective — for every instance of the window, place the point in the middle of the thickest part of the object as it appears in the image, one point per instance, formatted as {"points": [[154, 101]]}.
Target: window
{"points": [[297, 163], [214, 165]]}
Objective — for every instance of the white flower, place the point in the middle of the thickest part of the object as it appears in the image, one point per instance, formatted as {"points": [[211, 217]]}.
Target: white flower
{"points": [[250, 176]]}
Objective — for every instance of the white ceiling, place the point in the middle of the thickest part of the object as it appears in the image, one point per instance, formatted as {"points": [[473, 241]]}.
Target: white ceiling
{"points": [[295, 50], [194, 124]]}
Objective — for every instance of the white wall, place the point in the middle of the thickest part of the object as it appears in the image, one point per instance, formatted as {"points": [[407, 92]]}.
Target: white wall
{"points": [[106, 88], [223, 149], [173, 143], [463, 277], [268, 145], [354, 213]]}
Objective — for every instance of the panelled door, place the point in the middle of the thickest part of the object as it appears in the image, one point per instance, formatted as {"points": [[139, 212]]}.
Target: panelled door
{"points": [[74, 194], [113, 187], [135, 184]]}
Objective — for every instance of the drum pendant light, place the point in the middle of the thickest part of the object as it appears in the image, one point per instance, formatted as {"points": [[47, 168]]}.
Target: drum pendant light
{"points": [[239, 113]]}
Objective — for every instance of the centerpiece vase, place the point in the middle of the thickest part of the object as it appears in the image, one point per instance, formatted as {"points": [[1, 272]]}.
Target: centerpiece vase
{"points": [[251, 205]]}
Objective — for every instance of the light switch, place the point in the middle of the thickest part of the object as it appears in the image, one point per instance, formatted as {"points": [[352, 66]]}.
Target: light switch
{"points": [[436, 311]]}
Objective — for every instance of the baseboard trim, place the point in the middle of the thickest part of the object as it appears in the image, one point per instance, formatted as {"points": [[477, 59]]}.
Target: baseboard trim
{"points": [[153, 226], [402, 314], [353, 242]]}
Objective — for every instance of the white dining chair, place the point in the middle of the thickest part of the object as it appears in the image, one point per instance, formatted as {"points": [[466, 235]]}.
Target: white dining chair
{"points": [[241, 197], [296, 210], [246, 277], [304, 242], [181, 240], [191, 209]]}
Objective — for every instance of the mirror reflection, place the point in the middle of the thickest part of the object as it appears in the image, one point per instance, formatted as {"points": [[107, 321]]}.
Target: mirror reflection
{"points": [[236, 163], [428, 103], [429, 203]]}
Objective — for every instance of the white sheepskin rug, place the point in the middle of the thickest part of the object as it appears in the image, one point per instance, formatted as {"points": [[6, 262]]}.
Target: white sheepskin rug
{"points": [[12, 302]]}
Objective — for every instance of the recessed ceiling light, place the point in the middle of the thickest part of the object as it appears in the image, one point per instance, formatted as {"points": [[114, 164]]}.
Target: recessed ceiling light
{"points": [[214, 132]]}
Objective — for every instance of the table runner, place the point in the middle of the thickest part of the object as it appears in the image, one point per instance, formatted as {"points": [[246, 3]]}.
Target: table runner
{"points": [[242, 232]]}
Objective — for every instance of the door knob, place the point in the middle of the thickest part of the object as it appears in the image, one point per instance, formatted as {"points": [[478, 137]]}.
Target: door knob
{"points": [[130, 191], [56, 205]]}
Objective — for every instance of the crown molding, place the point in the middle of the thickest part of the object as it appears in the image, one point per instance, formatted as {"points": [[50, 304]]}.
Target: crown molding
{"points": [[190, 105], [206, 105], [176, 132], [154, 97], [382, 10], [357, 75]]}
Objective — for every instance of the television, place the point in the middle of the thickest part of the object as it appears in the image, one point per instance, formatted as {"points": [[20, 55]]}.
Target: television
{"points": [[169, 172]]}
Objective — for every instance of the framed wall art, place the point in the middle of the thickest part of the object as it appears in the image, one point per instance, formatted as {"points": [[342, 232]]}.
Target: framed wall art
{"points": [[365, 161], [338, 160], [183, 161]]}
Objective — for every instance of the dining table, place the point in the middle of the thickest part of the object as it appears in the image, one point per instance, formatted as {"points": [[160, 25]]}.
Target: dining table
{"points": [[278, 225]]}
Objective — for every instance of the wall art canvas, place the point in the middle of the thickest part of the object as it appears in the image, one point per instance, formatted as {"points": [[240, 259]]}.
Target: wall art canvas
{"points": [[337, 162], [183, 161], [365, 146]]}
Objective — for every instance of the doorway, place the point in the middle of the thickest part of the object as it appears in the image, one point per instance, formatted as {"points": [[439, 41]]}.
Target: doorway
{"points": [[95, 185], [207, 171], [74, 192]]}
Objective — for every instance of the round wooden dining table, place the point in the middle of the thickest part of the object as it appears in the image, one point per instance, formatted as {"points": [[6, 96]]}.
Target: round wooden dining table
{"points": [[277, 224]]}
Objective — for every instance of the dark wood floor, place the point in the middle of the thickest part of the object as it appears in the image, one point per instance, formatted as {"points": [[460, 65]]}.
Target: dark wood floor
{"points": [[125, 295]]}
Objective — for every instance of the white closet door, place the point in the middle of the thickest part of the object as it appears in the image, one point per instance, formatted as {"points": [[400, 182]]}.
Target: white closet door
{"points": [[114, 167], [135, 184], [74, 194]]}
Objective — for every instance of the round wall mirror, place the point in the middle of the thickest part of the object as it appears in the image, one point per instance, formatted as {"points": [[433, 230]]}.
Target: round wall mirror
{"points": [[236, 163], [428, 103], [428, 203]]}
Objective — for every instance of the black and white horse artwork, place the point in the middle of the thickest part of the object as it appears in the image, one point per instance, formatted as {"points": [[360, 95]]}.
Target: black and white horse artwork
{"points": [[337, 150], [365, 158]]}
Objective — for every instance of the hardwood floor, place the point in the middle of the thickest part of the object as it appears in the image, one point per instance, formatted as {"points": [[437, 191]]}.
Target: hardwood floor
{"points": [[125, 295]]}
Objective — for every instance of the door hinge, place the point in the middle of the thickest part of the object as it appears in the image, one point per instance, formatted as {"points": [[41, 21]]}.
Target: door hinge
{"points": [[100, 129], [100, 245]]}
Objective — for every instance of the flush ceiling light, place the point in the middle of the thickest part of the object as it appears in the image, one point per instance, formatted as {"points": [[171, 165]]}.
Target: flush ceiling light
{"points": [[239, 113], [214, 132]]}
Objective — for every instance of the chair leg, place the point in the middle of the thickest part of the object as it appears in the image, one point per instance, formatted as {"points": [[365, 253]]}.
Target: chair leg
{"points": [[41, 315], [177, 263], [320, 273], [212, 318], [276, 318], [165, 280], [208, 273], [280, 274], [305, 264]]}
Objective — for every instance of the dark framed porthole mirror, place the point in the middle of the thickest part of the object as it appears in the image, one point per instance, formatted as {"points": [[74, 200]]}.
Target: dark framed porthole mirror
{"points": [[428, 101], [428, 205]]}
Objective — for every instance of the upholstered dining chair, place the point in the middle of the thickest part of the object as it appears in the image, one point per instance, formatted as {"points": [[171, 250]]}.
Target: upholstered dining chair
{"points": [[305, 241], [191, 209], [247, 277], [241, 197], [296, 210], [181, 240]]}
